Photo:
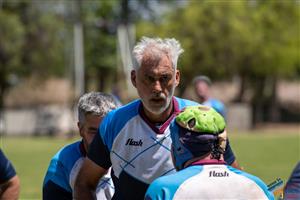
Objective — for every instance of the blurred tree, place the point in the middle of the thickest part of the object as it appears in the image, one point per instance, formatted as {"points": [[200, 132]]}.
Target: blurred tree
{"points": [[31, 43], [99, 19], [276, 56], [11, 42], [257, 41], [43, 48]]}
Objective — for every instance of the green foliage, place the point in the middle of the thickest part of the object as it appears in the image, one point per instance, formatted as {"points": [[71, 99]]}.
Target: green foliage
{"points": [[227, 38], [99, 19], [42, 50], [11, 40]]}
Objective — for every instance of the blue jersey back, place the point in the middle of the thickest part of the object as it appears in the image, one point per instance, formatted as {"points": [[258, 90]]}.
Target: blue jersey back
{"points": [[213, 181]]}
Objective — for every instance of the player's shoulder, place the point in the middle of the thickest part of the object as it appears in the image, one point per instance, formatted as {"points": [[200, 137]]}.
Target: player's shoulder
{"points": [[116, 119], [251, 177], [7, 170], [176, 179], [68, 154], [3, 158], [182, 103], [124, 112], [169, 184]]}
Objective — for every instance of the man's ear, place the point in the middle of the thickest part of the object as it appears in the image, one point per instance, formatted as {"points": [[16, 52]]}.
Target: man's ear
{"points": [[80, 128], [177, 77], [133, 78]]}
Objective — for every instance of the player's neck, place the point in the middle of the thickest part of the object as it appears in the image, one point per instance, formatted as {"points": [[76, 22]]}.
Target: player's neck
{"points": [[206, 157]]}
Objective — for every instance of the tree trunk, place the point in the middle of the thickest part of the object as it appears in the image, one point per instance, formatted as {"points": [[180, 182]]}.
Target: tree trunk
{"points": [[3, 86], [274, 107], [258, 100], [242, 87]]}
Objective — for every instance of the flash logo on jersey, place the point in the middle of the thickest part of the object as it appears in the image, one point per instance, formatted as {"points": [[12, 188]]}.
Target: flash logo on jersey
{"points": [[218, 174], [132, 142]]}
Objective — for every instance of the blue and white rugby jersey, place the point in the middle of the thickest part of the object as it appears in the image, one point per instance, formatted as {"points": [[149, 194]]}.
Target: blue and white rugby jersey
{"points": [[137, 150], [217, 105], [208, 180], [63, 170]]}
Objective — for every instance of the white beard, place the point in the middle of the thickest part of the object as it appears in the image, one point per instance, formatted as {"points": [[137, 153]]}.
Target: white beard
{"points": [[163, 108]]}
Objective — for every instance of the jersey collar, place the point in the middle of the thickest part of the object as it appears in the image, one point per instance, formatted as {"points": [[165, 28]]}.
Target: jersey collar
{"points": [[209, 162]]}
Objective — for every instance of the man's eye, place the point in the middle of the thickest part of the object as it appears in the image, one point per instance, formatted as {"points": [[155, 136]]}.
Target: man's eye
{"points": [[150, 79], [164, 78]]}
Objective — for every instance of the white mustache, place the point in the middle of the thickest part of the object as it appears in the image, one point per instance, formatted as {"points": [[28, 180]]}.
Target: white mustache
{"points": [[158, 95]]}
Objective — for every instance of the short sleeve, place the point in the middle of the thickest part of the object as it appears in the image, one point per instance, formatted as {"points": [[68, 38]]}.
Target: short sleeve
{"points": [[229, 156], [58, 174], [7, 170], [98, 152]]}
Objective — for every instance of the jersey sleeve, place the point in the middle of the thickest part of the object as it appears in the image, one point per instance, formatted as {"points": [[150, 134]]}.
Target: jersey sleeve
{"points": [[229, 156], [7, 170], [98, 152], [156, 192], [58, 174], [54, 191]]}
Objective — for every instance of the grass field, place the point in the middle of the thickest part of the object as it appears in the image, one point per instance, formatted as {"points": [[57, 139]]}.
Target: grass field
{"points": [[266, 155]]}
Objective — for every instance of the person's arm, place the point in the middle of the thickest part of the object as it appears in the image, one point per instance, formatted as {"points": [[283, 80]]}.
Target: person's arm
{"points": [[229, 157], [87, 180], [53, 191], [236, 165], [10, 190], [9, 181]]}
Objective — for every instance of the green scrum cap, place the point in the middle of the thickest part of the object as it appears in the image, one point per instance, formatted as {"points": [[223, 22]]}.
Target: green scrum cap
{"points": [[196, 131], [201, 119]]}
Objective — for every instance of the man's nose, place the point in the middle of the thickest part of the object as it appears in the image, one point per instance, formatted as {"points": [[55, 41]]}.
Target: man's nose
{"points": [[157, 86]]}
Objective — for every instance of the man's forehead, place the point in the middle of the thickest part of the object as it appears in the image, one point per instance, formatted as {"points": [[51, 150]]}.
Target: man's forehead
{"points": [[93, 117], [156, 61]]}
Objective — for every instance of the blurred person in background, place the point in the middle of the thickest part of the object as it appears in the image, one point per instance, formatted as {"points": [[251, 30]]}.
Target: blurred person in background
{"points": [[199, 140], [292, 187], [135, 139], [9, 181], [202, 86], [64, 166]]}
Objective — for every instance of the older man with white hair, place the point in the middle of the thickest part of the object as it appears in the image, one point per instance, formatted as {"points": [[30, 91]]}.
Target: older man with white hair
{"points": [[135, 139]]}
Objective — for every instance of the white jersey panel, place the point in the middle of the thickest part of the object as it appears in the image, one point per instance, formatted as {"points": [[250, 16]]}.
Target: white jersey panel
{"points": [[218, 182], [140, 152], [105, 189]]}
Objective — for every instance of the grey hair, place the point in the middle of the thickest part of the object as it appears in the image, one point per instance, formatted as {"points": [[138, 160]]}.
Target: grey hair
{"points": [[169, 46], [96, 103], [202, 78]]}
